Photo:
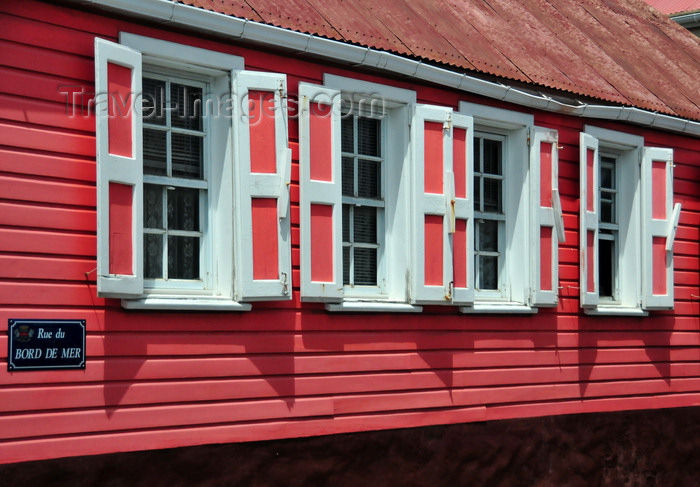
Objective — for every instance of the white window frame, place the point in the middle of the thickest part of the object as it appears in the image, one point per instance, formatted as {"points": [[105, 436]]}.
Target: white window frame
{"points": [[614, 226], [380, 289], [394, 259], [217, 69], [628, 150], [493, 294], [514, 296], [202, 285]]}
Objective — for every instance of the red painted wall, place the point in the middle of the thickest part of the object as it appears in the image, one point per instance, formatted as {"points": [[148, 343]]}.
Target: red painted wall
{"points": [[158, 379]]}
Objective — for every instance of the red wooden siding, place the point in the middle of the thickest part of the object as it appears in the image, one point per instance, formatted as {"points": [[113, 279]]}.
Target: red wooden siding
{"points": [[265, 262], [261, 105], [120, 211], [157, 380]]}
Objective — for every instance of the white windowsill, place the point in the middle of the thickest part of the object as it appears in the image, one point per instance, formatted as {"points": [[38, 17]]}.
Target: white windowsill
{"points": [[372, 307], [185, 303], [615, 311], [498, 308]]}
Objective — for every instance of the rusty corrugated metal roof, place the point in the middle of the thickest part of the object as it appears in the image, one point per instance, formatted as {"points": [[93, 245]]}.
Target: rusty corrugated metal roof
{"points": [[669, 7], [617, 51]]}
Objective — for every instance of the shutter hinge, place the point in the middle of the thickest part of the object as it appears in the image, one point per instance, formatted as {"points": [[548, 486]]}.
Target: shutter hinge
{"points": [[281, 89], [450, 293], [528, 137], [285, 284], [447, 125]]}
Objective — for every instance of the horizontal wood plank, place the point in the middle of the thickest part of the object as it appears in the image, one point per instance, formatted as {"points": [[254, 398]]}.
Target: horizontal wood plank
{"points": [[46, 113], [48, 268], [43, 216], [47, 242], [63, 166], [47, 191], [61, 423], [26, 136]]}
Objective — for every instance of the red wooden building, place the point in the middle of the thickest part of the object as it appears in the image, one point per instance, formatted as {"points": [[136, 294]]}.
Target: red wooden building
{"points": [[283, 221]]}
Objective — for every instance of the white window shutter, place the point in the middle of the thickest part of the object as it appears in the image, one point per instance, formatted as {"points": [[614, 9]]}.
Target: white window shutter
{"points": [[119, 171], [659, 222], [547, 224], [320, 194], [462, 233], [588, 216], [261, 201], [442, 209]]}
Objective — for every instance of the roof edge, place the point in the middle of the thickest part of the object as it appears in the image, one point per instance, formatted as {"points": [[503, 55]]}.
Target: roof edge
{"points": [[185, 16]]}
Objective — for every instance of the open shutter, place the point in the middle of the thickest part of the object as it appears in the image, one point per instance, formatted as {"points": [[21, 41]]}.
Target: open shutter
{"points": [[119, 171], [261, 225], [588, 235], [547, 224], [320, 194], [660, 220], [463, 208], [442, 225]]}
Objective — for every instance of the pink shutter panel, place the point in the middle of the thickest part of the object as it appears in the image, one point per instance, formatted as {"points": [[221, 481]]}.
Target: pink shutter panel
{"points": [[660, 220], [546, 217], [588, 217], [462, 207], [119, 171], [320, 194], [261, 225], [432, 268]]}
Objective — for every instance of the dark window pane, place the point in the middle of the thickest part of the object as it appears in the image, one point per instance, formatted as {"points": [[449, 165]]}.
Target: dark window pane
{"points": [[346, 265], [365, 224], [187, 104], [368, 179], [606, 273], [347, 212], [153, 206], [492, 195], [153, 101], [153, 256], [606, 212], [347, 133], [365, 266], [155, 152], [183, 209], [368, 137], [348, 177], [477, 154], [488, 236], [477, 194], [606, 177], [186, 156], [492, 156], [183, 257], [488, 272]]}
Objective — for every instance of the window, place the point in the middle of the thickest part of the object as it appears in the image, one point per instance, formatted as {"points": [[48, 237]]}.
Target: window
{"points": [[489, 214], [175, 183], [167, 121], [354, 156], [627, 224], [609, 229], [363, 199], [517, 214]]}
